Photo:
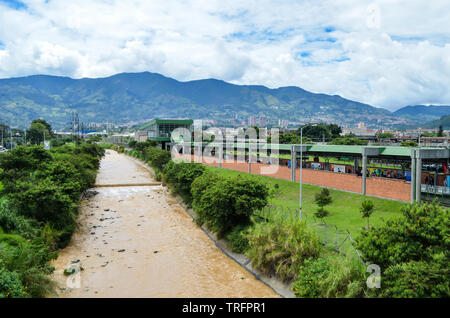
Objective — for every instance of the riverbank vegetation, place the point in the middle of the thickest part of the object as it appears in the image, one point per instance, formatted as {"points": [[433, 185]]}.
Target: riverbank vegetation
{"points": [[409, 243], [39, 195]]}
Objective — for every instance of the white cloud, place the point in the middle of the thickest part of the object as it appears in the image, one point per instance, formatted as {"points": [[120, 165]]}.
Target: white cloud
{"points": [[386, 53]]}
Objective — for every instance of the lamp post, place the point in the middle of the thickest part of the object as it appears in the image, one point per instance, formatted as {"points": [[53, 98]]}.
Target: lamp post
{"points": [[420, 135], [301, 167]]}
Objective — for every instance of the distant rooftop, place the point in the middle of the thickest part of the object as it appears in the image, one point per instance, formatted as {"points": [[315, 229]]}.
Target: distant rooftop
{"points": [[167, 121]]}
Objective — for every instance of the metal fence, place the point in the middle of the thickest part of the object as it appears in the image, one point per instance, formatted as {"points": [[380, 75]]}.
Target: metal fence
{"points": [[339, 240]]}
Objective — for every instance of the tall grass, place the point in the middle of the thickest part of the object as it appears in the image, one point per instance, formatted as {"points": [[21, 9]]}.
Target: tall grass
{"points": [[280, 246]]}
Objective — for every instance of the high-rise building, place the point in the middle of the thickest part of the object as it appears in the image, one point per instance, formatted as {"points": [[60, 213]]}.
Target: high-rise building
{"points": [[262, 121]]}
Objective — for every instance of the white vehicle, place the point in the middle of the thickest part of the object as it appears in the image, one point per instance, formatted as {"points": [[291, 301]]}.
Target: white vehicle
{"points": [[3, 149]]}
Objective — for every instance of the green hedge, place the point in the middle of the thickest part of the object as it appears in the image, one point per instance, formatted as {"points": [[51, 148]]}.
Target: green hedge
{"points": [[181, 175], [39, 196]]}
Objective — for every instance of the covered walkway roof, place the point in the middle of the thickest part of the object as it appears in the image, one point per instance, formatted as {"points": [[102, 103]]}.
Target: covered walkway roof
{"points": [[344, 150]]}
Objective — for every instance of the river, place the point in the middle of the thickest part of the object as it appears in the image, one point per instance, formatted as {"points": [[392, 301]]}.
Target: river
{"points": [[135, 240]]}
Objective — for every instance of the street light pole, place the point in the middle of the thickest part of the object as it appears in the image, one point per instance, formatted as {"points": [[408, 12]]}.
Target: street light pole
{"points": [[420, 133], [301, 168]]}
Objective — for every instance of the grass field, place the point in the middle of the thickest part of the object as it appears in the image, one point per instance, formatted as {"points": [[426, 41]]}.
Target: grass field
{"points": [[344, 210]]}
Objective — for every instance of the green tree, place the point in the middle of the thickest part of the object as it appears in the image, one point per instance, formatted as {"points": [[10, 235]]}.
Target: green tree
{"points": [[322, 199], [37, 132], [412, 251], [385, 135], [317, 132], [221, 203], [320, 131], [290, 138], [366, 210], [409, 143], [46, 124], [348, 141], [441, 131], [335, 130]]}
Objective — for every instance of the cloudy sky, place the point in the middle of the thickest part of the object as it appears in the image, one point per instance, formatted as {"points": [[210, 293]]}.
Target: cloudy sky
{"points": [[388, 53]]}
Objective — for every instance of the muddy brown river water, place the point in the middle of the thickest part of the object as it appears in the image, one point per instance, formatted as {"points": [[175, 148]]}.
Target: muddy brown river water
{"points": [[135, 240]]}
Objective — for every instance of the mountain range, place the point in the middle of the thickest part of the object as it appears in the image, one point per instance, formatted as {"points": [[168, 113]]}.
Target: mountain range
{"points": [[444, 121], [132, 97], [425, 113]]}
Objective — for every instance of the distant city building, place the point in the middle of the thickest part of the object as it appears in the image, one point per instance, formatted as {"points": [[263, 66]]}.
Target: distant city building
{"points": [[417, 132], [260, 121], [283, 123], [360, 131]]}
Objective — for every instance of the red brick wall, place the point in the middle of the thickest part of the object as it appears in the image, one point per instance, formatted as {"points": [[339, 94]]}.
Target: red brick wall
{"points": [[342, 181], [387, 188], [381, 187]]}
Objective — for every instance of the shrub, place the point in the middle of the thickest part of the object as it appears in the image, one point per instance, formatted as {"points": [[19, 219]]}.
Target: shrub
{"points": [[42, 189], [404, 247], [420, 233], [31, 263], [11, 221], [237, 239], [141, 146], [157, 157], [181, 175], [44, 201], [416, 279], [310, 275], [227, 201], [281, 248], [346, 278], [10, 284], [331, 276]]}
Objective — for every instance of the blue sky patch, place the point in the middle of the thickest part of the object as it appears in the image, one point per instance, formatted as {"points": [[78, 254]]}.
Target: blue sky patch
{"points": [[15, 4], [262, 35], [305, 54], [322, 39]]}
